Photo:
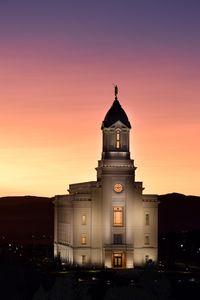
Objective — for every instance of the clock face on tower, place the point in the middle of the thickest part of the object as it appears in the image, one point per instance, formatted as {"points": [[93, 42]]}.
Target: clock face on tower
{"points": [[118, 188]]}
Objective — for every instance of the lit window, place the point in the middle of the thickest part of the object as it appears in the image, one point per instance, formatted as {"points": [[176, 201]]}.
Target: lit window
{"points": [[146, 240], [117, 216], [118, 139], [117, 239], [147, 219], [83, 239], [83, 219]]}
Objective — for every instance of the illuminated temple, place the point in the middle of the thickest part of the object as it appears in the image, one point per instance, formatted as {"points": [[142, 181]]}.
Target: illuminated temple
{"points": [[108, 222]]}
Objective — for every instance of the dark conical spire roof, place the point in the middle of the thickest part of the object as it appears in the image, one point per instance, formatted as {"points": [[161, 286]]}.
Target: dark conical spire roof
{"points": [[116, 113]]}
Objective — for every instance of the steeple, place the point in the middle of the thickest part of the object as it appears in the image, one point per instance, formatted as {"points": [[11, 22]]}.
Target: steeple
{"points": [[115, 128], [116, 113]]}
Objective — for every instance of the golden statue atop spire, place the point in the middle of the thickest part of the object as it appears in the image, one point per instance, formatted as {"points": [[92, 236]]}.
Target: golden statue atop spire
{"points": [[116, 91]]}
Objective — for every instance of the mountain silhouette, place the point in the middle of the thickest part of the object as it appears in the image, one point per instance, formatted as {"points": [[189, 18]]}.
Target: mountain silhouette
{"points": [[178, 212], [23, 218]]}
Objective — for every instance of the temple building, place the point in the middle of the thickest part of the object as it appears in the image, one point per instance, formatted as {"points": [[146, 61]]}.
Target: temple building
{"points": [[108, 222]]}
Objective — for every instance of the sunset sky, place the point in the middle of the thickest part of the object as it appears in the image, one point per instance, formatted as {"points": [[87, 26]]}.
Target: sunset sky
{"points": [[58, 62]]}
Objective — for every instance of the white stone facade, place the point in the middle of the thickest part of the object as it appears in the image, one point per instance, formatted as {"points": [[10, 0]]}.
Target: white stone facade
{"points": [[108, 222]]}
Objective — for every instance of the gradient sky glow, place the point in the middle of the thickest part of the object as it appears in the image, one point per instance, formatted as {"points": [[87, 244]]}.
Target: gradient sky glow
{"points": [[58, 61]]}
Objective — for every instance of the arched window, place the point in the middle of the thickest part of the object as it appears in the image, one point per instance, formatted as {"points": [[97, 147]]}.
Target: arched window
{"points": [[147, 219], [118, 139]]}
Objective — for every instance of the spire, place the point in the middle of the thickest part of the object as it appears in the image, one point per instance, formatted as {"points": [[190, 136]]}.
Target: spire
{"points": [[116, 113], [116, 92]]}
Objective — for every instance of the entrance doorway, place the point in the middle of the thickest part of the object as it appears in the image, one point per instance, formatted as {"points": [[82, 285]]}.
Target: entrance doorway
{"points": [[117, 260]]}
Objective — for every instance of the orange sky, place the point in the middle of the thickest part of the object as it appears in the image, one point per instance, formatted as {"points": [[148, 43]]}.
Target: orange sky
{"points": [[56, 87]]}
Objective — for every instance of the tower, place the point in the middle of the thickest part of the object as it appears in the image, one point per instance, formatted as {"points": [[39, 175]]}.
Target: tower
{"points": [[122, 202]]}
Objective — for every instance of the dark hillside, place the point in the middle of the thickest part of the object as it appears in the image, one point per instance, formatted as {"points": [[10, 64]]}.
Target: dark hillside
{"points": [[23, 219], [178, 212]]}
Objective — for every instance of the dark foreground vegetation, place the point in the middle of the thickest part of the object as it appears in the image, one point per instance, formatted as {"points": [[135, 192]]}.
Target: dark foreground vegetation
{"points": [[28, 280]]}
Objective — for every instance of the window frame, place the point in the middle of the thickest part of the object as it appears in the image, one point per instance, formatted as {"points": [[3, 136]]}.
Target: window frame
{"points": [[118, 216], [83, 220], [147, 240], [83, 257], [147, 219], [83, 239], [117, 239]]}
